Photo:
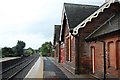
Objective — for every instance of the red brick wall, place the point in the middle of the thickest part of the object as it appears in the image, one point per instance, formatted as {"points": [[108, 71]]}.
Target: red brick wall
{"points": [[98, 55], [88, 29], [57, 49], [112, 51], [112, 55], [73, 50], [67, 46], [118, 53], [66, 41], [71, 40], [84, 32]]}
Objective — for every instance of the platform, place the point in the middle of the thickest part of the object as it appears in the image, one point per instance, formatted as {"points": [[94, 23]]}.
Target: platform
{"points": [[8, 58], [37, 70], [51, 71]]}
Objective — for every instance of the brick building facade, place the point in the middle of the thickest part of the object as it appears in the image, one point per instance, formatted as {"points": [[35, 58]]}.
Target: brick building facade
{"points": [[72, 15], [56, 44], [104, 44], [89, 41]]}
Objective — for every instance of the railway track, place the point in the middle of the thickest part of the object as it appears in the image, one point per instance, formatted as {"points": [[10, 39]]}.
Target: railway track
{"points": [[11, 72]]}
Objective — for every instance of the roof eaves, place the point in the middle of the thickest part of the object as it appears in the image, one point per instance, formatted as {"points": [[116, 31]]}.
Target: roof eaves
{"points": [[94, 15], [62, 18], [56, 32], [99, 27], [68, 6], [99, 36], [64, 15]]}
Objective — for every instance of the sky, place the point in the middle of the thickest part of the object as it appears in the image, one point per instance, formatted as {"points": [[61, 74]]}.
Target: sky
{"points": [[32, 21]]}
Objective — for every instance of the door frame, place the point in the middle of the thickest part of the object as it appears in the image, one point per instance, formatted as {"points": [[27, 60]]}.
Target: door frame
{"points": [[93, 58]]}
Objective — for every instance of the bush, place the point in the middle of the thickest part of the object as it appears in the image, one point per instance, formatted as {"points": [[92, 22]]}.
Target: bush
{"points": [[46, 49], [28, 52]]}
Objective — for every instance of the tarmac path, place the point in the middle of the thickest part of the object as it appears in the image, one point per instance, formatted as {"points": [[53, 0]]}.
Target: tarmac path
{"points": [[51, 71]]}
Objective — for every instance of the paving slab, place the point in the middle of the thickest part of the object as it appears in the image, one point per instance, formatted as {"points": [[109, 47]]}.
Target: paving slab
{"points": [[51, 71], [70, 75]]}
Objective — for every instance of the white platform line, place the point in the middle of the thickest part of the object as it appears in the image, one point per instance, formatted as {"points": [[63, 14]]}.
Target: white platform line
{"points": [[37, 70]]}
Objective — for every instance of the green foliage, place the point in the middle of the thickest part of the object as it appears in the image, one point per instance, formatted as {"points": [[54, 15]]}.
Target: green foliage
{"points": [[29, 52], [46, 49], [14, 51], [6, 51], [0, 53], [19, 48]]}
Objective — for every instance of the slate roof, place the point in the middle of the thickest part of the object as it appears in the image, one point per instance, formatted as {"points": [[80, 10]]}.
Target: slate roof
{"points": [[109, 26], [76, 13], [57, 29]]}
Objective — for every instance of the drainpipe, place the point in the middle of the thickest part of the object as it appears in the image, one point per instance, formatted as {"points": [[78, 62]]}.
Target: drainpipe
{"points": [[77, 54], [104, 53], [59, 52]]}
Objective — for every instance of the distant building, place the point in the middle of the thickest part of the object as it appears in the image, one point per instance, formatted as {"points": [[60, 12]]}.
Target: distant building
{"points": [[56, 45]]}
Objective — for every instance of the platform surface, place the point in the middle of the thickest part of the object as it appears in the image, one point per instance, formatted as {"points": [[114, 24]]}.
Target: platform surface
{"points": [[8, 58], [37, 70], [51, 71]]}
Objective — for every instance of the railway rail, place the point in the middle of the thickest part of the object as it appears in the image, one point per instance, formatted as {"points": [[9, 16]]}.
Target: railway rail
{"points": [[11, 72]]}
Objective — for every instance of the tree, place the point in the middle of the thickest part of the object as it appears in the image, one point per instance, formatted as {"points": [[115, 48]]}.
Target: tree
{"points": [[28, 52], [7, 52], [20, 48], [46, 49], [17, 50], [14, 50]]}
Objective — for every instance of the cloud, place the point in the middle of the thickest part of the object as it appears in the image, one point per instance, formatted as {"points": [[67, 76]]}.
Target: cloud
{"points": [[31, 40], [31, 20]]}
